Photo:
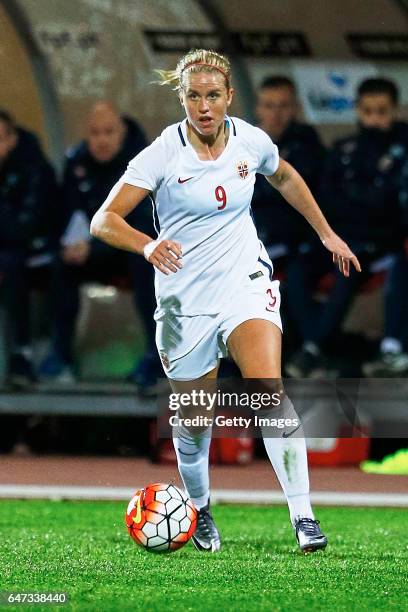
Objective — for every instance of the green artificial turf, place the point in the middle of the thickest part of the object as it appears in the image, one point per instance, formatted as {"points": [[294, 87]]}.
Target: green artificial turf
{"points": [[83, 548]]}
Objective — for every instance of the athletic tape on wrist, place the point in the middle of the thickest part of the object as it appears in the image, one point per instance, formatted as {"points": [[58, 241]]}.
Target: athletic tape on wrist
{"points": [[149, 248]]}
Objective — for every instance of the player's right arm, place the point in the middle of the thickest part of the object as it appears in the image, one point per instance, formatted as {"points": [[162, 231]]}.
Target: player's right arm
{"points": [[110, 226], [283, 177]]}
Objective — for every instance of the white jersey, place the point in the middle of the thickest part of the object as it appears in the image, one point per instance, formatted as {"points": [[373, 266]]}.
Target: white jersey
{"points": [[206, 206]]}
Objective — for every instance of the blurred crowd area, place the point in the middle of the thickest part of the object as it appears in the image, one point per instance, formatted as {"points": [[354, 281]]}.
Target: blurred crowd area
{"points": [[360, 182]]}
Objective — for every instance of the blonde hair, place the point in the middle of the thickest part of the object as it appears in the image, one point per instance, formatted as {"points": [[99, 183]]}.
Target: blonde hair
{"points": [[196, 60]]}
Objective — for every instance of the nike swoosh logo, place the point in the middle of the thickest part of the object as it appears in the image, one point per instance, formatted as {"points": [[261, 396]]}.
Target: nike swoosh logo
{"points": [[287, 435], [138, 517], [185, 180]]}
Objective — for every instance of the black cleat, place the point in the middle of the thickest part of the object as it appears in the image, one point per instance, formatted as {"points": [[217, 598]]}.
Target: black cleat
{"points": [[206, 537], [309, 535]]}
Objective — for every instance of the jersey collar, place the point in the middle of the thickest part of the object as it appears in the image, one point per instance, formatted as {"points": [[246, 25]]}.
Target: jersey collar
{"points": [[182, 132]]}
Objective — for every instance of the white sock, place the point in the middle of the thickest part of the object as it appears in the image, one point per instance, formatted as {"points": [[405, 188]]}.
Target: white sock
{"points": [[192, 453], [289, 460]]}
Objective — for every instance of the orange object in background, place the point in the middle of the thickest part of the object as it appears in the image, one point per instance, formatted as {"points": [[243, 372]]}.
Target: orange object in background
{"points": [[240, 450], [232, 451], [337, 451]]}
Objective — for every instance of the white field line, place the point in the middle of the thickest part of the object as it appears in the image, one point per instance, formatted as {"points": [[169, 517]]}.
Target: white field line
{"points": [[325, 498]]}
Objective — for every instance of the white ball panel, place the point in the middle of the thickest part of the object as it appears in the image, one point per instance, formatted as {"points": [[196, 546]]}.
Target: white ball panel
{"points": [[180, 513], [185, 524], [162, 530], [149, 529], [172, 504], [174, 528], [175, 492], [158, 543], [162, 496]]}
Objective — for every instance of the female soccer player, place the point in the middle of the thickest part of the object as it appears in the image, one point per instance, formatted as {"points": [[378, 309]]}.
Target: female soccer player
{"points": [[214, 286]]}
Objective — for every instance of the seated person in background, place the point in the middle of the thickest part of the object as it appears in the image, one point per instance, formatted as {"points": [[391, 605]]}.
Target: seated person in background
{"points": [[392, 360], [279, 226], [91, 168], [359, 193], [27, 193]]}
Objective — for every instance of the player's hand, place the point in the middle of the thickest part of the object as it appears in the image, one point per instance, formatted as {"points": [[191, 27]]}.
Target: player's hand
{"points": [[76, 254], [165, 255], [342, 254]]}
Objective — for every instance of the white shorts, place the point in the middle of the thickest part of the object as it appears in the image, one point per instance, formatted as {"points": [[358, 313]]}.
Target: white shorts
{"points": [[190, 346]]}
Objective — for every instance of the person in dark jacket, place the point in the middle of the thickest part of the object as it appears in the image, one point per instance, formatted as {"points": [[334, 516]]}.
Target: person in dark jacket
{"points": [[27, 191], [360, 194], [392, 360], [280, 228], [91, 167]]}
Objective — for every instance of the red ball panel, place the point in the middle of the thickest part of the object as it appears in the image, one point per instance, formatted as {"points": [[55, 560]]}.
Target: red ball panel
{"points": [[154, 517], [192, 529], [149, 496], [190, 508], [138, 536], [157, 486], [176, 545], [181, 538], [156, 506]]}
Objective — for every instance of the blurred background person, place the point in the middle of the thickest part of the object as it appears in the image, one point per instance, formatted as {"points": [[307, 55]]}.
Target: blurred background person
{"points": [[280, 228], [91, 168], [360, 194], [278, 224], [392, 359], [28, 193]]}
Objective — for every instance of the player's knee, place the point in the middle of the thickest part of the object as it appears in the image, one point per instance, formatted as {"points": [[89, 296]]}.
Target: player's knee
{"points": [[267, 394]]}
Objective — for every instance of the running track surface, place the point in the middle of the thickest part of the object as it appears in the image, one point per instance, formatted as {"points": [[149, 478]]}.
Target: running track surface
{"points": [[133, 472]]}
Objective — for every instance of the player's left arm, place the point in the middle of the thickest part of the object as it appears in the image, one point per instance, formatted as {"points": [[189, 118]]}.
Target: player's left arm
{"points": [[295, 191]]}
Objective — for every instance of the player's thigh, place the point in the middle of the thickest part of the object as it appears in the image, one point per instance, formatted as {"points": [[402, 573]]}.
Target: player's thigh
{"points": [[182, 386], [251, 326], [255, 346], [187, 346]]}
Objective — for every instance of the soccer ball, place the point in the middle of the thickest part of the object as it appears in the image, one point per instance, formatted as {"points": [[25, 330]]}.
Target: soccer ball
{"points": [[161, 518]]}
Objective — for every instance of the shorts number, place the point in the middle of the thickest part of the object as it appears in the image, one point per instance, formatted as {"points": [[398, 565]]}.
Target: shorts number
{"points": [[221, 196], [272, 302]]}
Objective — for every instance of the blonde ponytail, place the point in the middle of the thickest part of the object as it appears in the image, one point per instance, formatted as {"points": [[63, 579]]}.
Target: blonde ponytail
{"points": [[197, 60], [168, 77]]}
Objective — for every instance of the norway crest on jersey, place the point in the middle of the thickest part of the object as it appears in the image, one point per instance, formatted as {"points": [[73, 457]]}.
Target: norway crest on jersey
{"points": [[242, 169]]}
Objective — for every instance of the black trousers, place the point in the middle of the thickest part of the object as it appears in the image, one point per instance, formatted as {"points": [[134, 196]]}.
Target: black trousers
{"points": [[14, 295], [317, 323], [396, 300], [103, 263]]}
